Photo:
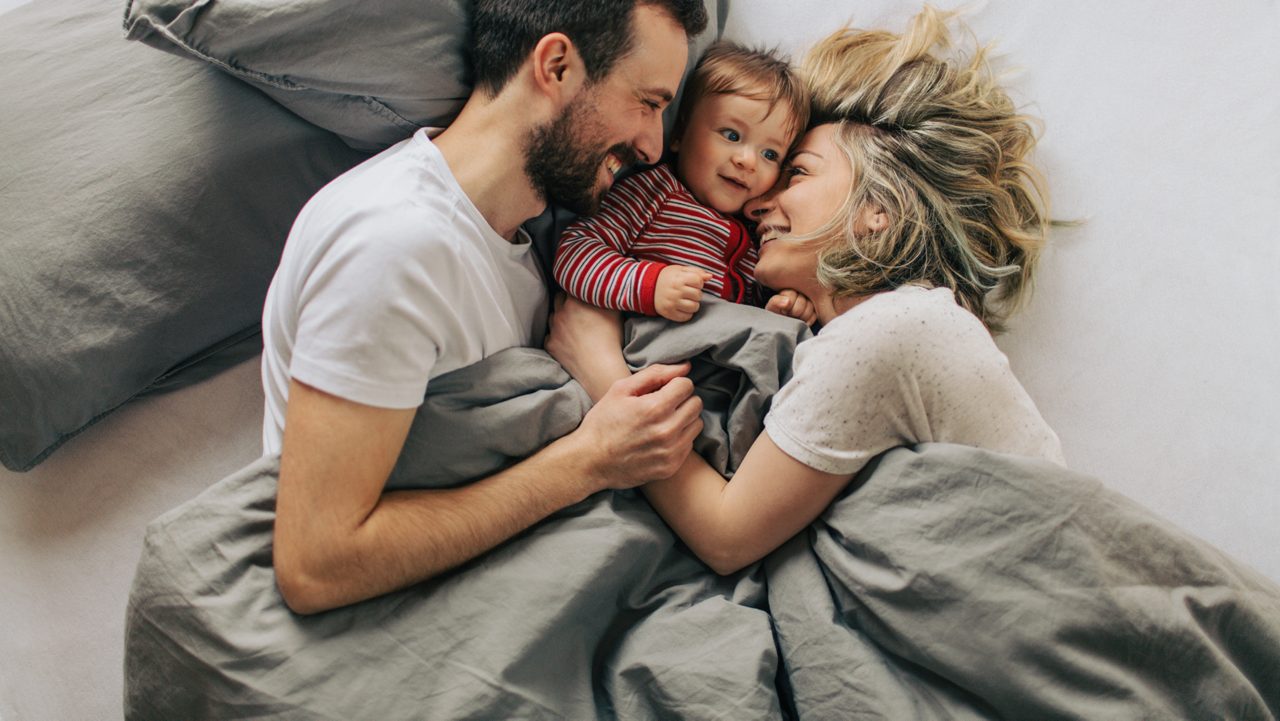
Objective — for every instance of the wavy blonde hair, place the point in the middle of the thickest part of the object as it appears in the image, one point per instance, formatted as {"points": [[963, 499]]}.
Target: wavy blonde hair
{"points": [[939, 146]]}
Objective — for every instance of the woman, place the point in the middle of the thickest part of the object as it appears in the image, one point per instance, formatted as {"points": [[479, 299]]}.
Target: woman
{"points": [[910, 217]]}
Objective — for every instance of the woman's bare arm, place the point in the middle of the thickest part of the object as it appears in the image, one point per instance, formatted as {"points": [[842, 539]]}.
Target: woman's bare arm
{"points": [[730, 525]]}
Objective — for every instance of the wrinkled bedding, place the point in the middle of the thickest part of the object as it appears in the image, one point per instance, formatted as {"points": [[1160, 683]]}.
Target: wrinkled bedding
{"points": [[947, 582]]}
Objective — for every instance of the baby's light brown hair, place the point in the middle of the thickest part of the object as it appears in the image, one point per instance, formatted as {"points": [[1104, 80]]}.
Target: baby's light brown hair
{"points": [[727, 68]]}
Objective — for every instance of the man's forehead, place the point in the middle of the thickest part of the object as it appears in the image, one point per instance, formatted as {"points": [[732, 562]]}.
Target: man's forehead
{"points": [[657, 59]]}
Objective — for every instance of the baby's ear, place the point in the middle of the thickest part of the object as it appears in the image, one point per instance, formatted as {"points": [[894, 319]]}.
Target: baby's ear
{"points": [[675, 144]]}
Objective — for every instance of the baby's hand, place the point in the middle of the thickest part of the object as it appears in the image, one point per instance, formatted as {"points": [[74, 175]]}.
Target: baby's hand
{"points": [[678, 294], [792, 304]]}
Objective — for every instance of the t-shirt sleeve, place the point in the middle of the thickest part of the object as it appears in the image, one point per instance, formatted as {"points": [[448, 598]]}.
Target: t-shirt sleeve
{"points": [[849, 400], [372, 314]]}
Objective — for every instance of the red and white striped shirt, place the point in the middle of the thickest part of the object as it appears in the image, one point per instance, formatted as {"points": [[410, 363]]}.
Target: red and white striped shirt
{"points": [[647, 221]]}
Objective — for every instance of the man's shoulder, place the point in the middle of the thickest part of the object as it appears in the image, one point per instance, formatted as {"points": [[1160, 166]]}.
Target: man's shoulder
{"points": [[379, 208], [404, 178]]}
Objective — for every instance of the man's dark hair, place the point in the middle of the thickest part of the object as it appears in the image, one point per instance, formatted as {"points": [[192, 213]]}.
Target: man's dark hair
{"points": [[504, 32]]}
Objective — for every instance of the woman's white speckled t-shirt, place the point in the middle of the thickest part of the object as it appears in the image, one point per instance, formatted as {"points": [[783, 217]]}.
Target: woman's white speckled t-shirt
{"points": [[905, 366]]}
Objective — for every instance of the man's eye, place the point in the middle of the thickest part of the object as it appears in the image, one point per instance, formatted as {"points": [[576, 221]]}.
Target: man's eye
{"points": [[771, 156], [731, 135], [652, 105]]}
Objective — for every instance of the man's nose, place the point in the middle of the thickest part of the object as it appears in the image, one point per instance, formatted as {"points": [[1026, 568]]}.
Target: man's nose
{"points": [[649, 142]]}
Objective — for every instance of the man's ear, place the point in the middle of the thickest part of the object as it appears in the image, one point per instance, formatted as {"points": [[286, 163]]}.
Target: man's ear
{"points": [[558, 70]]}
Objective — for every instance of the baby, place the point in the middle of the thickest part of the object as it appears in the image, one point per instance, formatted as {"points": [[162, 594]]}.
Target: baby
{"points": [[668, 234]]}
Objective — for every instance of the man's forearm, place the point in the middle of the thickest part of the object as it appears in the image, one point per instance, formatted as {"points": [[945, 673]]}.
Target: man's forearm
{"points": [[340, 539], [411, 536]]}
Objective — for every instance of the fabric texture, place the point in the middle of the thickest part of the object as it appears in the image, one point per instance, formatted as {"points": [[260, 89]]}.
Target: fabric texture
{"points": [[904, 367], [392, 276], [947, 582], [370, 72], [575, 618], [950, 582], [143, 204], [647, 221]]}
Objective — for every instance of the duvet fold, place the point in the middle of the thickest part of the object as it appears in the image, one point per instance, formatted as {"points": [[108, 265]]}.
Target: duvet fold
{"points": [[946, 582]]}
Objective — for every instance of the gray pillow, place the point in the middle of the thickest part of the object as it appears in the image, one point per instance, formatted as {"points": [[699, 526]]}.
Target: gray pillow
{"points": [[371, 71], [144, 201]]}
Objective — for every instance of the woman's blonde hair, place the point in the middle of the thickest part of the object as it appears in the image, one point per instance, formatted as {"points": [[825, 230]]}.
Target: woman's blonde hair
{"points": [[937, 145]]}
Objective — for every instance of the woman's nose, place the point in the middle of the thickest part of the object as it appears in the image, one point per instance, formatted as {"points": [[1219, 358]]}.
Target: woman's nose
{"points": [[757, 208]]}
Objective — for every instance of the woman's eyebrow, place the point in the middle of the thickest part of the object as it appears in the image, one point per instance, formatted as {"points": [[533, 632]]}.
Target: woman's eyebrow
{"points": [[806, 152]]}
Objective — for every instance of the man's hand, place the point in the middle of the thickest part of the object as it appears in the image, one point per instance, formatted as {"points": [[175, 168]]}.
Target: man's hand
{"points": [[339, 538], [678, 293], [793, 304], [642, 429]]}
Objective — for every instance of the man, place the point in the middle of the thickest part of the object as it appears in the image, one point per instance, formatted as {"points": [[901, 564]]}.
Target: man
{"points": [[414, 264]]}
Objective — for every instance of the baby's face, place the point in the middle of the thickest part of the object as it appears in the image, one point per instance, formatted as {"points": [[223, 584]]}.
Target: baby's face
{"points": [[732, 150]]}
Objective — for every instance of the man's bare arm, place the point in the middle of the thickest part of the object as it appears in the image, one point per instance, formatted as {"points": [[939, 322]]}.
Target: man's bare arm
{"points": [[339, 539]]}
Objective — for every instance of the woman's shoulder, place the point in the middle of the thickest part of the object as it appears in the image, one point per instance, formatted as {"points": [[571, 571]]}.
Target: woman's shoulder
{"points": [[907, 312], [903, 330]]}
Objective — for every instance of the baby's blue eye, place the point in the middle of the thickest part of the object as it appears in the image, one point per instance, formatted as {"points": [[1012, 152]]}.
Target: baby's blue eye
{"points": [[731, 135], [771, 156]]}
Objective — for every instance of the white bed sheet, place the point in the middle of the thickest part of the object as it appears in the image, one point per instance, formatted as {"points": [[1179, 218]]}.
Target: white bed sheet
{"points": [[1152, 345]]}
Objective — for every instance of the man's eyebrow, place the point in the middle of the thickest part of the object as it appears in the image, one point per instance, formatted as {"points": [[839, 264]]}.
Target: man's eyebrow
{"points": [[662, 94]]}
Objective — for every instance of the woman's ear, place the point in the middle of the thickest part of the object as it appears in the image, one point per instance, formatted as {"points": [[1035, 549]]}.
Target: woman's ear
{"points": [[873, 218]]}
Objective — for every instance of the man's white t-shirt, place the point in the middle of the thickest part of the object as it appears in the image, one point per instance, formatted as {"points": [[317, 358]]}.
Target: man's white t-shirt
{"points": [[391, 277], [903, 367]]}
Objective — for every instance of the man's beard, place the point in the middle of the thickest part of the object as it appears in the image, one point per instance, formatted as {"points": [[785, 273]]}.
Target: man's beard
{"points": [[563, 159]]}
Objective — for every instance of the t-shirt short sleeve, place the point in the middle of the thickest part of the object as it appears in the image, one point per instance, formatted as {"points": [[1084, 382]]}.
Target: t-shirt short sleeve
{"points": [[843, 405], [364, 332], [903, 367]]}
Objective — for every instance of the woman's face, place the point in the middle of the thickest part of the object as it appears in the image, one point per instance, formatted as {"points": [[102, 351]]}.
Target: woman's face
{"points": [[814, 186]]}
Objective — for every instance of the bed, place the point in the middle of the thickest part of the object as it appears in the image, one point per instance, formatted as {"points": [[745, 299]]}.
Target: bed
{"points": [[1152, 345]]}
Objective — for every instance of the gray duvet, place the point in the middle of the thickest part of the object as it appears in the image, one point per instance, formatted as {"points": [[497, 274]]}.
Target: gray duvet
{"points": [[947, 582]]}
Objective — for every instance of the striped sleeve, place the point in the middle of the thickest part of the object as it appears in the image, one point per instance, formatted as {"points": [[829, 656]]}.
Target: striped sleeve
{"points": [[593, 263]]}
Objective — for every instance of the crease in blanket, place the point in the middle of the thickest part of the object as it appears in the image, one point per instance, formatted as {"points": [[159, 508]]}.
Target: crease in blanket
{"points": [[598, 612], [946, 582]]}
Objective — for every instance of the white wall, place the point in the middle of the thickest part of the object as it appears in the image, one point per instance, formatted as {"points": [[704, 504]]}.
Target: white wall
{"points": [[1152, 344]]}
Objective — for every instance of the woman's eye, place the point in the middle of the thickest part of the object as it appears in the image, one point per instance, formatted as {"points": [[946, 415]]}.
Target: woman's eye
{"points": [[771, 156], [791, 173], [731, 135]]}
